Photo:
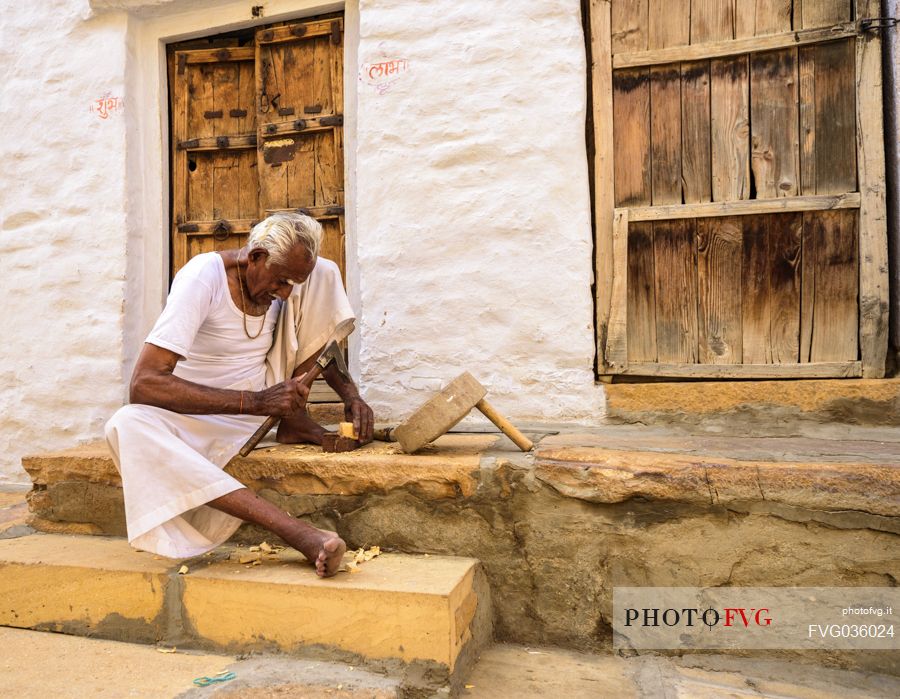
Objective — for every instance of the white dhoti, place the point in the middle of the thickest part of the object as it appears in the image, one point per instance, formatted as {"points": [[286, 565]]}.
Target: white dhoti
{"points": [[172, 464]]}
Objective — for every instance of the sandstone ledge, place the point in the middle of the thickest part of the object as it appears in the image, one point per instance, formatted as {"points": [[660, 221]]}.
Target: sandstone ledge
{"points": [[857, 401], [448, 468], [611, 476]]}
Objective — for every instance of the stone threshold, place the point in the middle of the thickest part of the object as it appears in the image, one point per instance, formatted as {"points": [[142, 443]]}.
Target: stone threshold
{"points": [[770, 406]]}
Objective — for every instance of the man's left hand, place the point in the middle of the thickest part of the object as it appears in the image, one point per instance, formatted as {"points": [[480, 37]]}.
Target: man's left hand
{"points": [[357, 410]]}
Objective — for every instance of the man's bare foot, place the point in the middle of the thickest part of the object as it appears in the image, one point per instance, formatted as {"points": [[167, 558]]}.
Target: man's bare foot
{"points": [[322, 548], [299, 429]]}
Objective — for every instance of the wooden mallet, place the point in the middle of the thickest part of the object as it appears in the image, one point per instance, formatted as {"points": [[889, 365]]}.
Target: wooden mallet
{"points": [[443, 411]]}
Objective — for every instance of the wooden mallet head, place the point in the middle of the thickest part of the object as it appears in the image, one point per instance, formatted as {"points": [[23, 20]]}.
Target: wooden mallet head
{"points": [[437, 416]]}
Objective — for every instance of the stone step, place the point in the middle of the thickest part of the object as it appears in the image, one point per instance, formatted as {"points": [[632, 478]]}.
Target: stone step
{"points": [[429, 612]]}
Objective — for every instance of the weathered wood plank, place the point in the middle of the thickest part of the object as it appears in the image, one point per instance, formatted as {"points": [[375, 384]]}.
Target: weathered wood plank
{"points": [[695, 132], [629, 23], [774, 116], [293, 31], [829, 323], [719, 245], [336, 67], [234, 141], [748, 371], [237, 53], [730, 129], [246, 99], [631, 135], [741, 46], [332, 247], [303, 125], [712, 20], [199, 101], [200, 187], [329, 181], [772, 16], [835, 117], [225, 80], [756, 308], [604, 172], [745, 208], [179, 82], [807, 78], [641, 294], [675, 264], [744, 19], [301, 174], [237, 226], [616, 348], [873, 254], [669, 23], [226, 189], [824, 13], [320, 54], [665, 135], [317, 212], [784, 286]]}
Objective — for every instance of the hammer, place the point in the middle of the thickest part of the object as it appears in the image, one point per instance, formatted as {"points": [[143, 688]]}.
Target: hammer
{"points": [[331, 354], [443, 411]]}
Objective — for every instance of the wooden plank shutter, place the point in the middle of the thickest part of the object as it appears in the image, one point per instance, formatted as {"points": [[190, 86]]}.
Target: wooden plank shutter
{"points": [[215, 185], [300, 116], [739, 205]]}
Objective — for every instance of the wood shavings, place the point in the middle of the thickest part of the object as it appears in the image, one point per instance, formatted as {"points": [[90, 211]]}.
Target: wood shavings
{"points": [[361, 556], [183, 570], [248, 559], [264, 547], [254, 548], [166, 650]]}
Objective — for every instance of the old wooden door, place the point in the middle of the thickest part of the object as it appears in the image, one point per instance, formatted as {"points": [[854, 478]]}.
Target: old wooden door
{"points": [[258, 129], [739, 199]]}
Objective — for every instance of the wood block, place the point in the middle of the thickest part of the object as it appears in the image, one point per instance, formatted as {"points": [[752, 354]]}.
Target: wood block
{"points": [[345, 429], [334, 443], [440, 413]]}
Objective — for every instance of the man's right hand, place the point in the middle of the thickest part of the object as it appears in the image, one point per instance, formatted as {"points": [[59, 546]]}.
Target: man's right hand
{"points": [[282, 399]]}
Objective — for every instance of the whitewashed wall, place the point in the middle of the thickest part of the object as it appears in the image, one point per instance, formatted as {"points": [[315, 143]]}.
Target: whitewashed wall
{"points": [[474, 236], [62, 226], [469, 238]]}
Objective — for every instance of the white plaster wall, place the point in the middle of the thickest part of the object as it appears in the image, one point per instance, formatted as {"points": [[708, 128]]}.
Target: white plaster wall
{"points": [[474, 237], [469, 242], [62, 232]]}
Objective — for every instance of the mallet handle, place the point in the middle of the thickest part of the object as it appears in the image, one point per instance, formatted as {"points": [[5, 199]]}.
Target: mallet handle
{"points": [[505, 425], [271, 421]]}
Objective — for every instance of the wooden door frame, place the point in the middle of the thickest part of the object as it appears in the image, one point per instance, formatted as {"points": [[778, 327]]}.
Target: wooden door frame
{"points": [[611, 223]]}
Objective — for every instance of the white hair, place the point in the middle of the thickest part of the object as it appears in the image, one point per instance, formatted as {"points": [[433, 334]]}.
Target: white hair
{"points": [[280, 232]]}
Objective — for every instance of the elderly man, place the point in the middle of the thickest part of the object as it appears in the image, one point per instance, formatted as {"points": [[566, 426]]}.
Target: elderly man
{"points": [[208, 376]]}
